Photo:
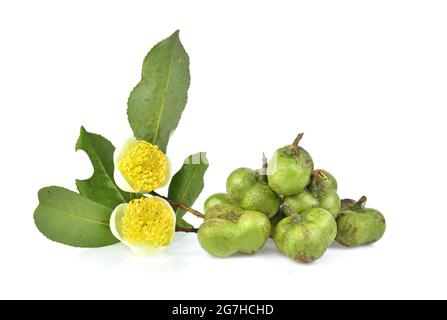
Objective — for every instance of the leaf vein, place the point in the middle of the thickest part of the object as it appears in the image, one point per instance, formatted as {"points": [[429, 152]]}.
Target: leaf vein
{"points": [[78, 217], [163, 103]]}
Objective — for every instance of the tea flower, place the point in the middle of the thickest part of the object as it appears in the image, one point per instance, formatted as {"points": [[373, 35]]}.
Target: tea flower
{"points": [[145, 225], [141, 167]]}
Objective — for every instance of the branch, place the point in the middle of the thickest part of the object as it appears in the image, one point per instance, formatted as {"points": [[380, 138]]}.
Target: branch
{"points": [[179, 205], [189, 230]]}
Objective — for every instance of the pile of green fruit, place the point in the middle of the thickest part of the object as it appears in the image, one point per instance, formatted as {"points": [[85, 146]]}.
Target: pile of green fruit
{"points": [[291, 202]]}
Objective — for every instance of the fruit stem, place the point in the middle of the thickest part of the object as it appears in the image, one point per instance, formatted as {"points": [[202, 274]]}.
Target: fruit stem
{"points": [[264, 161], [286, 209], [262, 173], [313, 186], [297, 140], [179, 205], [319, 174], [134, 196], [188, 230], [361, 203]]}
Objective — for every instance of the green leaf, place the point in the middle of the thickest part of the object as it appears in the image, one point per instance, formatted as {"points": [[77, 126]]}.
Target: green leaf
{"points": [[183, 224], [156, 104], [69, 218], [100, 187], [187, 183]]}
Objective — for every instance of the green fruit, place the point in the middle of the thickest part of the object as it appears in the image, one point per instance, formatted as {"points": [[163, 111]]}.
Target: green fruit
{"points": [[322, 179], [252, 191], [305, 237], [358, 225], [228, 230], [290, 169], [347, 204], [318, 194], [217, 199]]}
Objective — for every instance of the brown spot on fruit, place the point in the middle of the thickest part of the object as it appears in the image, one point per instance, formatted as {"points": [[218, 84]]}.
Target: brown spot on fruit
{"points": [[304, 258]]}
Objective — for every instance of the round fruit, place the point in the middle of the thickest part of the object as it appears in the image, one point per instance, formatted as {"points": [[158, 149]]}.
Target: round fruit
{"points": [[216, 199], [322, 179], [320, 193], [228, 230], [290, 169], [358, 225], [252, 191], [305, 237]]}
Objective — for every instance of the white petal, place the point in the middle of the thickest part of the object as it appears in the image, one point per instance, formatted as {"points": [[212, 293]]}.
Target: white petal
{"points": [[143, 250], [121, 182], [116, 220]]}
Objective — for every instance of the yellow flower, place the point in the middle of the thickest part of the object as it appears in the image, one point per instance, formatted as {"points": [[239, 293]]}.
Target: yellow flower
{"points": [[145, 225], [141, 167]]}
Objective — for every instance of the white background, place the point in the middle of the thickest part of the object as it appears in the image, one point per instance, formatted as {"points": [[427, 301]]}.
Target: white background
{"points": [[365, 80]]}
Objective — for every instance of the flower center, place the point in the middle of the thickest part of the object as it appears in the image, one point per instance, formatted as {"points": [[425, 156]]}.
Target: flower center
{"points": [[144, 167], [148, 220]]}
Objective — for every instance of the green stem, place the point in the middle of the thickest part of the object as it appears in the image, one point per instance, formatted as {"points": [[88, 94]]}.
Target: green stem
{"points": [[134, 196]]}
